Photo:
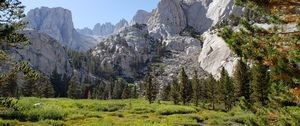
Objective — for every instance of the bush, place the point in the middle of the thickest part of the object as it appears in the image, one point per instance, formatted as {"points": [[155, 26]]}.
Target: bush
{"points": [[169, 110], [8, 122], [141, 110], [107, 107], [54, 123], [45, 113]]}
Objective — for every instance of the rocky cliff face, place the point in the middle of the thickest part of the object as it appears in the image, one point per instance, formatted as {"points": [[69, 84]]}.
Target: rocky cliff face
{"points": [[127, 52], [57, 22], [216, 54], [138, 45], [172, 16], [85, 31], [168, 19], [44, 53], [141, 17], [104, 29], [121, 24]]}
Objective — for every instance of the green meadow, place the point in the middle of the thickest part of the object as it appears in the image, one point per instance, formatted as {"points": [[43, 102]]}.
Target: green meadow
{"points": [[133, 112]]}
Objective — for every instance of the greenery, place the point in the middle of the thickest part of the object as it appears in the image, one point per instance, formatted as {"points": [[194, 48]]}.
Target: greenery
{"points": [[136, 112]]}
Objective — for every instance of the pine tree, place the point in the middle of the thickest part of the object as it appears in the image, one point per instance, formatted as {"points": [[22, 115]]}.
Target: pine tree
{"points": [[203, 91], [196, 88], [134, 92], [186, 90], [241, 80], [228, 91], [47, 89], [126, 92], [10, 87], [212, 90], [166, 92], [259, 84], [28, 87], [118, 88], [56, 81], [73, 88], [175, 95], [151, 88], [11, 17]]}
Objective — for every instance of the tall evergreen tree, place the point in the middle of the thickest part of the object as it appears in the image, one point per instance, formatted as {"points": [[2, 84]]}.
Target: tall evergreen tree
{"points": [[241, 80], [56, 81], [47, 88], [151, 88], [212, 89], [126, 92], [203, 91], [175, 89], [11, 22], [196, 88], [186, 89], [28, 87], [260, 84], [166, 92], [118, 89], [228, 89], [134, 92], [73, 88], [10, 87]]}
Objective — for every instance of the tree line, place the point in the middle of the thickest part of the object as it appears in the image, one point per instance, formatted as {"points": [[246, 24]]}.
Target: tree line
{"points": [[250, 84]]}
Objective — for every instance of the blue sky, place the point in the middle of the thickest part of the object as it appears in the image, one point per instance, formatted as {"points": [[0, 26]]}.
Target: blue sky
{"points": [[86, 13]]}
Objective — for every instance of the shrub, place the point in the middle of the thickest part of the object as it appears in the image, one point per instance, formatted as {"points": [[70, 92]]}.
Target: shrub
{"points": [[54, 123], [141, 110], [169, 110], [107, 107], [8, 122]]}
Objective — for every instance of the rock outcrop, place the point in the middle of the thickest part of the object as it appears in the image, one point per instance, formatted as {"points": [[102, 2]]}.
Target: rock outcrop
{"points": [[85, 31], [121, 24], [141, 17], [168, 19], [216, 54], [57, 22], [44, 54], [103, 29], [128, 51]]}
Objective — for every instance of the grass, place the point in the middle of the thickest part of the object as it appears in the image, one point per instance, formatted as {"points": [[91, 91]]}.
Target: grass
{"points": [[132, 112]]}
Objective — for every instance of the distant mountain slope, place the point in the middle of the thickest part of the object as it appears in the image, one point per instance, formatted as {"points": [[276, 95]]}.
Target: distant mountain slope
{"points": [[57, 22]]}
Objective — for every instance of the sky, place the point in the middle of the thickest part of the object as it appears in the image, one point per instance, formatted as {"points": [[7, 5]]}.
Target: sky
{"points": [[86, 13]]}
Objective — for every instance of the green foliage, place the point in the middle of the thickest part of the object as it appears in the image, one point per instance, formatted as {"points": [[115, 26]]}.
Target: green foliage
{"points": [[60, 83], [118, 89], [12, 13], [175, 95], [241, 80], [185, 86], [151, 88], [166, 92], [212, 89], [228, 91], [196, 88], [175, 110], [73, 89], [126, 92], [260, 85]]}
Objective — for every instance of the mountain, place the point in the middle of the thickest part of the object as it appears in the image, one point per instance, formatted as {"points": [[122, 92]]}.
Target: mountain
{"points": [[85, 31], [104, 29], [121, 24], [177, 34], [57, 22], [44, 54], [141, 17]]}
